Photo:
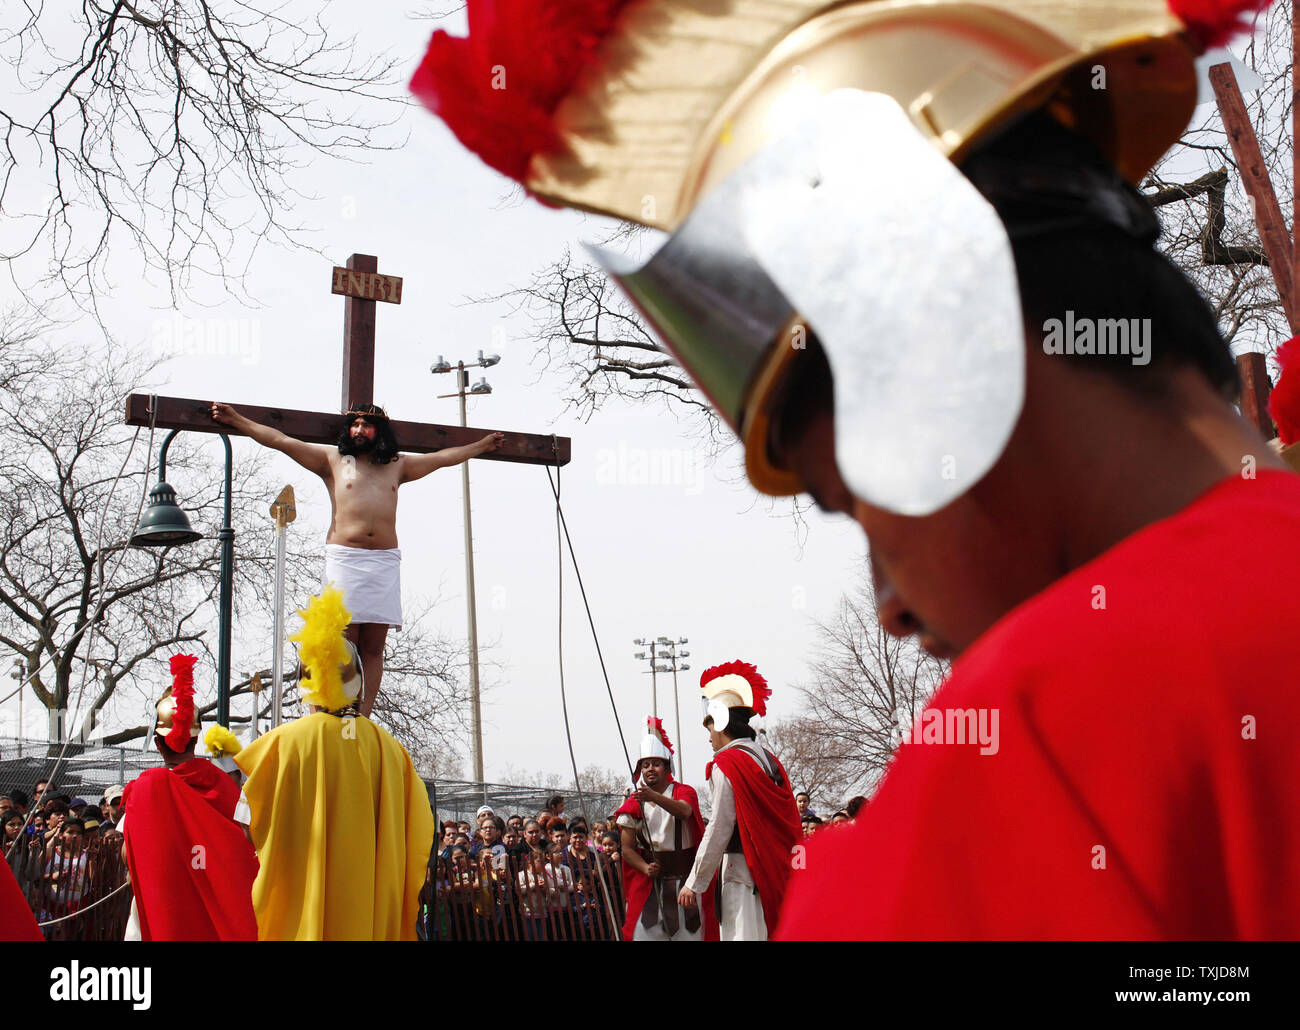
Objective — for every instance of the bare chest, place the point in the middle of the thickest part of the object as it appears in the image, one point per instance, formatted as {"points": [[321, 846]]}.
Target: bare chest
{"points": [[359, 480]]}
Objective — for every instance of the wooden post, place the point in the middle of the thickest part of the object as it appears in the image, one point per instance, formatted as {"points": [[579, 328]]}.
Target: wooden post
{"points": [[1254, 176], [359, 341], [1255, 388]]}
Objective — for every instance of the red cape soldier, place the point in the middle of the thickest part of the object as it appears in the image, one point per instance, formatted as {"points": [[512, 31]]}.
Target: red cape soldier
{"points": [[192, 867], [661, 827]]}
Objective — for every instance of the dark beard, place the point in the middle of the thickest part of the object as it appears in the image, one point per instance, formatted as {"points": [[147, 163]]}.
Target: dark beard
{"points": [[364, 444]]}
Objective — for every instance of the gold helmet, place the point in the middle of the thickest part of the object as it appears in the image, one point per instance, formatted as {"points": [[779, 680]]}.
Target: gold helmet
{"points": [[653, 110]]}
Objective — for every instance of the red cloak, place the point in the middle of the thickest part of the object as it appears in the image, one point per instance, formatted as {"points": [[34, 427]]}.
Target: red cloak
{"points": [[769, 824], [192, 868], [1126, 793], [636, 885], [16, 920]]}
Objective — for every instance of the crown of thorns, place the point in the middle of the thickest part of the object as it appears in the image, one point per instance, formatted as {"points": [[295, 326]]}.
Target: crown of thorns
{"points": [[366, 411]]}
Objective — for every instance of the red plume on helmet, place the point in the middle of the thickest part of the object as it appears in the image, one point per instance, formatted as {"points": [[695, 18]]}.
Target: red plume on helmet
{"points": [[757, 684], [498, 87], [657, 730], [1284, 401], [178, 737], [1214, 22]]}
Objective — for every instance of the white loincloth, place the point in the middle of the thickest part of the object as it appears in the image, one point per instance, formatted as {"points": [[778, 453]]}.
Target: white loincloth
{"points": [[371, 581]]}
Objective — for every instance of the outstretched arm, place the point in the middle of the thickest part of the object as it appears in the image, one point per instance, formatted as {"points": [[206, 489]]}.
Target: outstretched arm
{"points": [[417, 466], [309, 456]]}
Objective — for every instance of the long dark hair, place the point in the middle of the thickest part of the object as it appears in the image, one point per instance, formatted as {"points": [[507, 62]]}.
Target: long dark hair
{"points": [[738, 724], [385, 449]]}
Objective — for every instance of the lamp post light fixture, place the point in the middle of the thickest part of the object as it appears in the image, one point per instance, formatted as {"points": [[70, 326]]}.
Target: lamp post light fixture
{"points": [[164, 524], [463, 389], [664, 650]]}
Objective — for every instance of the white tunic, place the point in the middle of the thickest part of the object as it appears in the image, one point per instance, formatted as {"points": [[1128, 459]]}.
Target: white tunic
{"points": [[741, 917], [660, 827]]}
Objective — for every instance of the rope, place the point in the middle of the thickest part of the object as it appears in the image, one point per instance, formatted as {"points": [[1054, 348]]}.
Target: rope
{"points": [[564, 703], [560, 533], [559, 511]]}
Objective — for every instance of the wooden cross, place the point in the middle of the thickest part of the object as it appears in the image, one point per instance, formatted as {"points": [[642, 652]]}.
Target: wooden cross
{"points": [[363, 286]]}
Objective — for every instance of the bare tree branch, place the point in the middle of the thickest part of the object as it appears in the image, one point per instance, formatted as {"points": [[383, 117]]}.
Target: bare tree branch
{"points": [[174, 130]]}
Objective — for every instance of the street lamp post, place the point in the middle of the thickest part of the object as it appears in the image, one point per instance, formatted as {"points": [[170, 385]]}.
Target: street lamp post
{"points": [[164, 524], [462, 389], [20, 674]]}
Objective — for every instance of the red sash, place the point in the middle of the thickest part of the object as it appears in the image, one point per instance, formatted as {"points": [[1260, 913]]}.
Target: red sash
{"points": [[768, 819]]}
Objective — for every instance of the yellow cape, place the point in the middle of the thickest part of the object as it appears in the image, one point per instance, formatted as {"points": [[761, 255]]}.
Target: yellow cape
{"points": [[342, 828]]}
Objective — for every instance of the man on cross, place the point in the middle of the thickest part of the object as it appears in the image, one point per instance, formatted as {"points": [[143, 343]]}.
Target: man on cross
{"points": [[362, 475]]}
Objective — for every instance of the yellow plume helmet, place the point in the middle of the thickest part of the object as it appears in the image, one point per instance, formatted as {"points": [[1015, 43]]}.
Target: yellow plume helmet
{"points": [[220, 742], [329, 678]]}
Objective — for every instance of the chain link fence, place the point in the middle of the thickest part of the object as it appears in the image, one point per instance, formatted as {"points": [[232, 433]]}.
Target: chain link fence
{"points": [[88, 770]]}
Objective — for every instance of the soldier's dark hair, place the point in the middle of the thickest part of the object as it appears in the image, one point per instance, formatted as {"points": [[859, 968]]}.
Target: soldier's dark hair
{"points": [[1084, 242], [738, 724]]}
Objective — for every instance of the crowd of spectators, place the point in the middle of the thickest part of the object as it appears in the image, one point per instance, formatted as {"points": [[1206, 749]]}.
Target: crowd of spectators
{"points": [[542, 877], [65, 853], [812, 822]]}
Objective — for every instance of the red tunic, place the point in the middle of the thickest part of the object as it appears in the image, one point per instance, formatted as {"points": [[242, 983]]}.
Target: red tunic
{"points": [[1146, 782], [192, 869], [636, 885]]}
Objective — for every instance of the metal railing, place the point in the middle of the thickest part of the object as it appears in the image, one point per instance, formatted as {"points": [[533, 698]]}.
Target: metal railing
{"points": [[77, 891], [520, 898]]}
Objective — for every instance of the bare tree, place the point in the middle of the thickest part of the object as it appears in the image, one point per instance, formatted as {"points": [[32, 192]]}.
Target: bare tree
{"points": [[814, 763], [599, 779], [173, 130], [588, 335], [865, 688], [595, 779], [424, 696], [84, 612]]}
